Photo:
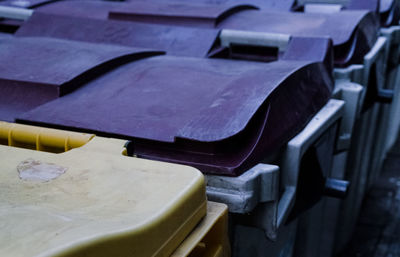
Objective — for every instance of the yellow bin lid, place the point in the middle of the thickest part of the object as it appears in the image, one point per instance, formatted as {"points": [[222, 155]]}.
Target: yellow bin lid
{"points": [[91, 200]]}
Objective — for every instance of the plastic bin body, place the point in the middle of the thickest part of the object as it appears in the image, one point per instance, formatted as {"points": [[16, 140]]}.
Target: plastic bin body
{"points": [[266, 226], [51, 68], [251, 241], [314, 234], [392, 35], [210, 236], [388, 121], [64, 204], [357, 164], [376, 138]]}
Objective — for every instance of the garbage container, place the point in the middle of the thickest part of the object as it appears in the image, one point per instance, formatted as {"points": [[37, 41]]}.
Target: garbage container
{"points": [[389, 122], [219, 77], [291, 193], [363, 65], [227, 44], [271, 203], [68, 198]]}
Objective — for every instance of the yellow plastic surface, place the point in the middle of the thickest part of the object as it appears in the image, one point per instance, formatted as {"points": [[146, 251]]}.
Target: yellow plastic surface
{"points": [[100, 204], [41, 139], [210, 237]]}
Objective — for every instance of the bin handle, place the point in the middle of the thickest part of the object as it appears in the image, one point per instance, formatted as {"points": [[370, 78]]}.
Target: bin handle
{"points": [[15, 13], [285, 204], [322, 8], [385, 95], [251, 38]]}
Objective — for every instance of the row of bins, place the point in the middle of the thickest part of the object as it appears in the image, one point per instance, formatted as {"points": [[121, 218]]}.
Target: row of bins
{"points": [[273, 137]]}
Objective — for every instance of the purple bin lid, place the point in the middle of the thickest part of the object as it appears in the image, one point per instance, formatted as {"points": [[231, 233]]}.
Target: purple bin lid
{"points": [[10, 25], [220, 116], [179, 41], [268, 5], [36, 70], [389, 10], [80, 8], [353, 32], [175, 40]]}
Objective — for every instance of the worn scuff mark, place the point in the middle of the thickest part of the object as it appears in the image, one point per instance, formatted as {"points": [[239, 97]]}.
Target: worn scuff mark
{"points": [[35, 170]]}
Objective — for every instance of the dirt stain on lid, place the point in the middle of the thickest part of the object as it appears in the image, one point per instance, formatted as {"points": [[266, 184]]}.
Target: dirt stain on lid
{"points": [[34, 170]]}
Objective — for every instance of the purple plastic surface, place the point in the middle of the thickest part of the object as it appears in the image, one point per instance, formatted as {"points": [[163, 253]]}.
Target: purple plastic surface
{"points": [[372, 5], [220, 116], [310, 49], [179, 41], [80, 8], [208, 16], [389, 9], [292, 5], [353, 32], [36, 70]]}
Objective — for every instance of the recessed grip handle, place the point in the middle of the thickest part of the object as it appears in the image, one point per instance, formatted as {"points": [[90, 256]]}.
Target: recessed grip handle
{"points": [[385, 95], [336, 188]]}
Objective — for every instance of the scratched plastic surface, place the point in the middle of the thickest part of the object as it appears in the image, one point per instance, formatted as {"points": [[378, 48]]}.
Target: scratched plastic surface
{"points": [[220, 116], [36, 70], [96, 202]]}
